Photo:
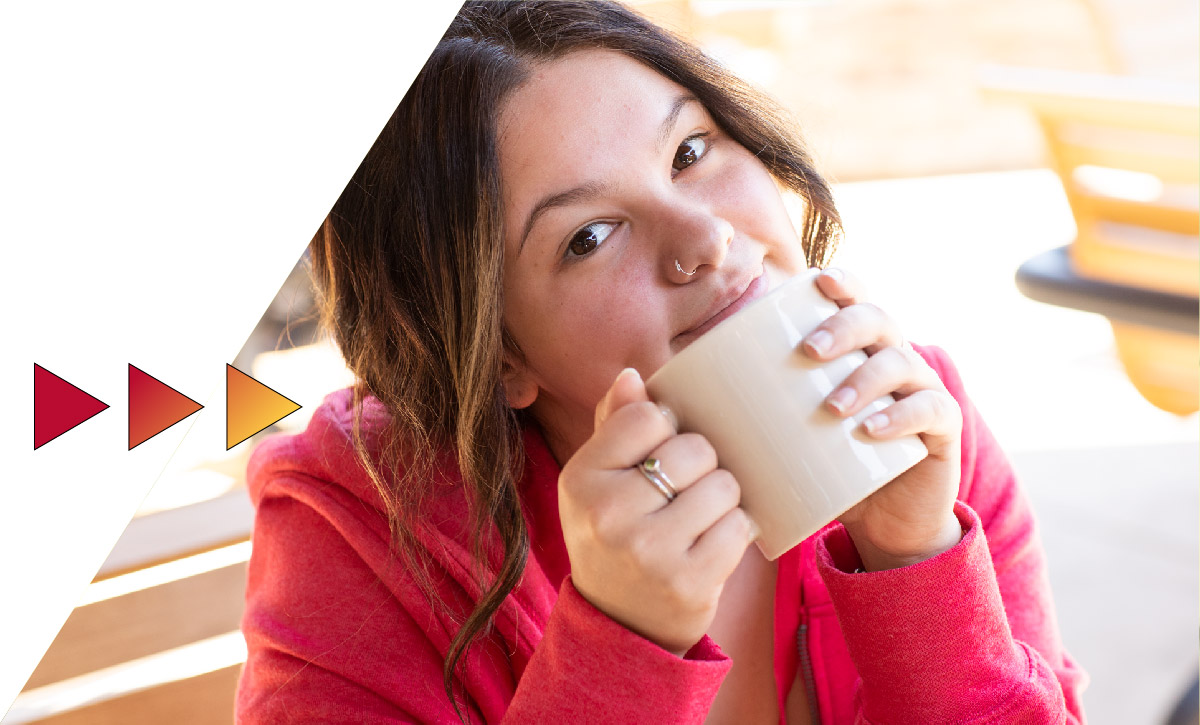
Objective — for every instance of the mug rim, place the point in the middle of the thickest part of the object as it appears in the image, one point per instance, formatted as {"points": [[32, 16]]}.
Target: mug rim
{"points": [[711, 337]]}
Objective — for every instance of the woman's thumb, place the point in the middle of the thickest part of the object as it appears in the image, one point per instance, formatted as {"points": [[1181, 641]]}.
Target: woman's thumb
{"points": [[627, 388]]}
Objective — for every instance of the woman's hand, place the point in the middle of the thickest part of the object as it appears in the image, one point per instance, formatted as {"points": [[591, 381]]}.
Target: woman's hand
{"points": [[911, 518], [654, 566]]}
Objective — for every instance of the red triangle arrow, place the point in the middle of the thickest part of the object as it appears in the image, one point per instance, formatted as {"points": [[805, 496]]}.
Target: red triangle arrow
{"points": [[154, 406], [58, 406]]}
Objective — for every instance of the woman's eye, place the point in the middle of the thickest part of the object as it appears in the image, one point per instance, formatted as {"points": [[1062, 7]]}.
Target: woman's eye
{"points": [[689, 152], [586, 240]]}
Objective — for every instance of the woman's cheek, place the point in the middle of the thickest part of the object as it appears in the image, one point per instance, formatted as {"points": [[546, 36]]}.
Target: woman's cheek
{"points": [[769, 223], [787, 257]]}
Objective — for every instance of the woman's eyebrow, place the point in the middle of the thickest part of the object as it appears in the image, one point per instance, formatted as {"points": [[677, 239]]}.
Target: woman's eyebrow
{"points": [[668, 124], [583, 192], [592, 189]]}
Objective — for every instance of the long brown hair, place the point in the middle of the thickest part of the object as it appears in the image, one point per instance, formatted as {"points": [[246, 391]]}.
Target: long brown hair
{"points": [[408, 264]]}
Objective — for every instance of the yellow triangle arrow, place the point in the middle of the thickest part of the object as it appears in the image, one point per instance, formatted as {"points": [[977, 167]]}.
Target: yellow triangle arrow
{"points": [[251, 406]]}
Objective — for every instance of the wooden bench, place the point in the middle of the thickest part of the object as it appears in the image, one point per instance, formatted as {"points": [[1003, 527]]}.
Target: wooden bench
{"points": [[156, 638], [1128, 153]]}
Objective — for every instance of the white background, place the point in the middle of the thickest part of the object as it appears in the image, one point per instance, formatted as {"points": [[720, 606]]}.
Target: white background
{"points": [[162, 167]]}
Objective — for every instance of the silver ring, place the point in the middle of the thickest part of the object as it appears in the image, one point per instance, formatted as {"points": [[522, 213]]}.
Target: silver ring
{"points": [[651, 468], [689, 274]]}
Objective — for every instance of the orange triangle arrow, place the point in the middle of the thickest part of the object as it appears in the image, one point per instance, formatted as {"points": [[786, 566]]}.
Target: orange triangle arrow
{"points": [[251, 406], [154, 406]]}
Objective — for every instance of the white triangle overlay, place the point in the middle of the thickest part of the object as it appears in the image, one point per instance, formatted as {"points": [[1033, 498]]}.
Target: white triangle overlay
{"points": [[162, 167]]}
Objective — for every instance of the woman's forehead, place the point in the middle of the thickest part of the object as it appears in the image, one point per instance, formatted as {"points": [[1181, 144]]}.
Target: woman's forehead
{"points": [[581, 83], [578, 119]]}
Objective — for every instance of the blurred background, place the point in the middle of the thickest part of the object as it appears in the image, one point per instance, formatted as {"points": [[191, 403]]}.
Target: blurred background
{"points": [[988, 208]]}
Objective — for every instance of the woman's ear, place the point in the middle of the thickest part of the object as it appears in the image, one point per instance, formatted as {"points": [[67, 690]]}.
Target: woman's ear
{"points": [[520, 389]]}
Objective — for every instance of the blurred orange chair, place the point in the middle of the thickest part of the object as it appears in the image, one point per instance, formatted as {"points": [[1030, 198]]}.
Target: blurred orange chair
{"points": [[1128, 153]]}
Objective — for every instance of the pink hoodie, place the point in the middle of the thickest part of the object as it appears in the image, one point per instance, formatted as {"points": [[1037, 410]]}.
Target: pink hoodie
{"points": [[337, 631]]}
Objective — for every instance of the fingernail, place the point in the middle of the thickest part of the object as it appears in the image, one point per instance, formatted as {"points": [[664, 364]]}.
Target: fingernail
{"points": [[834, 274], [842, 399], [755, 531], [630, 371], [669, 415], [876, 423], [820, 342]]}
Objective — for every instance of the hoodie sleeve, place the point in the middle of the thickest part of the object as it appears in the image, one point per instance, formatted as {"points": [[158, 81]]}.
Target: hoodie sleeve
{"points": [[969, 635], [329, 640], [590, 669]]}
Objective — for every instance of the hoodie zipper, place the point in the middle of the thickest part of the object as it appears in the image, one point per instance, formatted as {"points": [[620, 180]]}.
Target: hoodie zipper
{"points": [[806, 670], [805, 663]]}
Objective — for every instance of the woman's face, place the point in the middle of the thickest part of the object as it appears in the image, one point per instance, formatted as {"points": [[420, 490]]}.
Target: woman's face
{"points": [[611, 174]]}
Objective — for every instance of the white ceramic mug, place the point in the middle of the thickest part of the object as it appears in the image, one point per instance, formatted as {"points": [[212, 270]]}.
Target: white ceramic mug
{"points": [[758, 398]]}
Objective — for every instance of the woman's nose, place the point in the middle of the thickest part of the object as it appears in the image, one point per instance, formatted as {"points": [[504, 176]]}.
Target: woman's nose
{"points": [[693, 239]]}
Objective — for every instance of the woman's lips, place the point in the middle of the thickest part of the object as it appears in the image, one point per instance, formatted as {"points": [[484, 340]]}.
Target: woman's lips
{"points": [[757, 288]]}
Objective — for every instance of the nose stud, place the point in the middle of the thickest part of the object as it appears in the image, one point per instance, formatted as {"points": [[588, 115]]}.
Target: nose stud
{"points": [[689, 274]]}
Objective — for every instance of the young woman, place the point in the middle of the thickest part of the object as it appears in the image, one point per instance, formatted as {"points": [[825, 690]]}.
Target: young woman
{"points": [[566, 197]]}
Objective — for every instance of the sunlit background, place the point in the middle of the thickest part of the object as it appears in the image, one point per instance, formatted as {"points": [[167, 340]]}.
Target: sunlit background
{"points": [[925, 114]]}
